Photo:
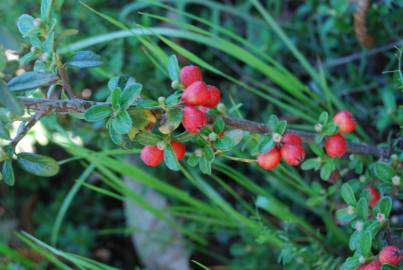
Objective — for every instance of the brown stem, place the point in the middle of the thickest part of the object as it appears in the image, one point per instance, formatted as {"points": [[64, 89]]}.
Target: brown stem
{"points": [[34, 119], [80, 105]]}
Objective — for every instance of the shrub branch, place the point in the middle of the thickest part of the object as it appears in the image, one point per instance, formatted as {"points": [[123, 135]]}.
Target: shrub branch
{"points": [[80, 105]]}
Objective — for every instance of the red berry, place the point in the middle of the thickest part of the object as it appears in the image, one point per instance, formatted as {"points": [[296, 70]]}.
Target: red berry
{"points": [[190, 74], [390, 255], [375, 265], [179, 149], [335, 145], [152, 155], [374, 195], [292, 138], [345, 122], [270, 159], [293, 154], [196, 94], [193, 119], [214, 96], [362, 267]]}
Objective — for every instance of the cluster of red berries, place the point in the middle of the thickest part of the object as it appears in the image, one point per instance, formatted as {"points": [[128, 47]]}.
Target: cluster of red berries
{"points": [[389, 255], [290, 149], [335, 145], [198, 98], [152, 155]]}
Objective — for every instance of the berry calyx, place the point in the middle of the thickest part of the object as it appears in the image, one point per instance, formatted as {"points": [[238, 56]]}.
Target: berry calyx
{"points": [[190, 74], [193, 119], [196, 94], [344, 121], [390, 255], [152, 155], [270, 159], [293, 154], [335, 145], [375, 265], [374, 195], [214, 96], [179, 149], [292, 138]]}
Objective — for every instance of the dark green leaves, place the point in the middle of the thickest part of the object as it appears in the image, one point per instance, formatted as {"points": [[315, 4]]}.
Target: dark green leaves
{"points": [[85, 59], [312, 163], [8, 100], [129, 95], [383, 172], [31, 80], [171, 121], [122, 123], [8, 173], [173, 68], [170, 158], [365, 243], [224, 144], [347, 194], [38, 164], [97, 112], [384, 206]]}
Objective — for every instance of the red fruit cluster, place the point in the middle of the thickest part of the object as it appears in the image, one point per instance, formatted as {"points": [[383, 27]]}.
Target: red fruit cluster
{"points": [[290, 149], [374, 195], [390, 255], [152, 155], [198, 96], [335, 145]]}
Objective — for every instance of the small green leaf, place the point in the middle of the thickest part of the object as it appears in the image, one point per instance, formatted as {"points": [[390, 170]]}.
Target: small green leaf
{"points": [[115, 98], [350, 264], [38, 164], [343, 215], [171, 122], [8, 172], [30, 80], [236, 135], [113, 83], [208, 152], [8, 100], [365, 243], [354, 240], [26, 24], [85, 59], [173, 68], [326, 170], [170, 158], [273, 120], [97, 113], [362, 208], [329, 129], [205, 165], [347, 194], [224, 144], [312, 163], [383, 172], [193, 160], [218, 125], [148, 138], [3, 59], [266, 143], [129, 95], [384, 206], [122, 122], [324, 116], [280, 127], [115, 137], [46, 6]]}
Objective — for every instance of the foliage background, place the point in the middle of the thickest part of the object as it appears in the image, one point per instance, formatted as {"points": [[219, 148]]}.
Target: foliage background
{"points": [[322, 32]]}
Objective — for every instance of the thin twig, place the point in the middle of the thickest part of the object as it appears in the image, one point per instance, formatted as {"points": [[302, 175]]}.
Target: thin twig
{"points": [[65, 82], [79, 105], [34, 119]]}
